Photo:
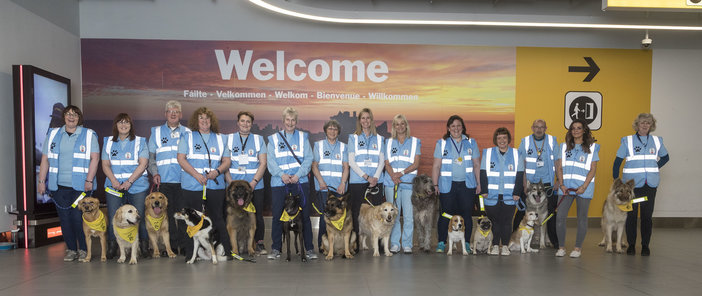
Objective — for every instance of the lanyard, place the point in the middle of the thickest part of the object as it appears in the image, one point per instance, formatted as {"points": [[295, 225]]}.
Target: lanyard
{"points": [[209, 160], [367, 144], [458, 149], [539, 149], [334, 147], [637, 136], [243, 143]]}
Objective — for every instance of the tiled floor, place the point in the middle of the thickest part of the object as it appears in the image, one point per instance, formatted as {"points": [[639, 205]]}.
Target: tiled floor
{"points": [[673, 269]]}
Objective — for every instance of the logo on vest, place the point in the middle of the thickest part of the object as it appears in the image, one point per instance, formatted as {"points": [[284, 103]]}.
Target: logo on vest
{"points": [[652, 150], [405, 152], [327, 153], [394, 150], [492, 164], [251, 152], [128, 155], [281, 146], [82, 148], [569, 154], [235, 149], [582, 158], [637, 149], [198, 147], [53, 145], [362, 144], [213, 150], [510, 167], [164, 140], [294, 147], [375, 146], [338, 156], [530, 151], [113, 153], [445, 153]]}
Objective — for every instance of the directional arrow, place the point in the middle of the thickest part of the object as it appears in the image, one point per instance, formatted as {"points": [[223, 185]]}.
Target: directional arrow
{"points": [[592, 68]]}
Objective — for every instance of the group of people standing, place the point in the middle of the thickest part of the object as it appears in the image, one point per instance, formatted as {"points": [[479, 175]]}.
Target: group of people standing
{"points": [[193, 164]]}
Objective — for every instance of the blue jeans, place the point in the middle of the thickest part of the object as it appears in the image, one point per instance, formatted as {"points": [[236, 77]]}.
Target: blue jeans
{"points": [[404, 205], [277, 206], [70, 218], [135, 199], [458, 201]]}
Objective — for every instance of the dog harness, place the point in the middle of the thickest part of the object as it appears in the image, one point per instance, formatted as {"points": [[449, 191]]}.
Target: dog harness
{"points": [[100, 224], [250, 208], [529, 229], [192, 230], [128, 233], [339, 224], [287, 218], [156, 222]]}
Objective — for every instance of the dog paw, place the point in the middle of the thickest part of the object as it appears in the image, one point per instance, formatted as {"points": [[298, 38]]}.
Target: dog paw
{"points": [[376, 254], [328, 258], [132, 262], [524, 251], [156, 255], [172, 255], [609, 250], [465, 253], [214, 262], [121, 260], [86, 260], [388, 254], [348, 256], [191, 261], [103, 259], [534, 250], [601, 244], [304, 259], [449, 253]]}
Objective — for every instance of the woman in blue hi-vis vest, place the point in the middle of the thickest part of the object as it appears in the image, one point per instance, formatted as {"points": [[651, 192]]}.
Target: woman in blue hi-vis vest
{"points": [[576, 164], [201, 154], [124, 160], [70, 157]]}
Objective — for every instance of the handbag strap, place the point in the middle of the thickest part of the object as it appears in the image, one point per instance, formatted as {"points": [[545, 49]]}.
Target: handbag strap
{"points": [[289, 148]]}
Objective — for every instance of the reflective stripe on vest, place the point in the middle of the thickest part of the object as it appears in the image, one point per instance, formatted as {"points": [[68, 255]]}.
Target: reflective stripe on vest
{"points": [[401, 158], [330, 167], [578, 175], [253, 163], [530, 167], [286, 154], [80, 161], [122, 168], [508, 177]]}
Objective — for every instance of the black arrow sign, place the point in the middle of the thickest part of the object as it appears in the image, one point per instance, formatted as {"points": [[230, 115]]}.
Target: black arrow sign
{"points": [[592, 68]]}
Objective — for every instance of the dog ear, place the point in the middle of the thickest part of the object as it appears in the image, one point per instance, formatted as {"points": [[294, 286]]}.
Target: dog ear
{"points": [[118, 215], [618, 181], [631, 183]]}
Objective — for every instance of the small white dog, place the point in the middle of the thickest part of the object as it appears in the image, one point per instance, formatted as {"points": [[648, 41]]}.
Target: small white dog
{"points": [[521, 239], [456, 234]]}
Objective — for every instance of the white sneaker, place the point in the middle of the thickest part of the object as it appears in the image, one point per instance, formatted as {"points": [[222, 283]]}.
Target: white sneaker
{"points": [[494, 251], [407, 250], [395, 249], [575, 254], [560, 253], [505, 251]]}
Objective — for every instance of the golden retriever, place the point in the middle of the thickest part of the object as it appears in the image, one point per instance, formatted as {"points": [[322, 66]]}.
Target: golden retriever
{"points": [[126, 220], [156, 205], [94, 225], [377, 222]]}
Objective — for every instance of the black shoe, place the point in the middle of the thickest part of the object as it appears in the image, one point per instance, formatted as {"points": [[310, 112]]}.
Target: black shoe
{"points": [[111, 249], [631, 250], [645, 251]]}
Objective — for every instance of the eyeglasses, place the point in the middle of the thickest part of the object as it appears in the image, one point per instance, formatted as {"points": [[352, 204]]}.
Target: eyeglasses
{"points": [[71, 114], [172, 112], [123, 122]]}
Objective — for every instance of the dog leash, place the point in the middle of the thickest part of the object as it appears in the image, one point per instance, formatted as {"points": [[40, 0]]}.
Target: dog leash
{"points": [[237, 257], [151, 190], [521, 206], [559, 204], [394, 195], [330, 190], [372, 190], [299, 188]]}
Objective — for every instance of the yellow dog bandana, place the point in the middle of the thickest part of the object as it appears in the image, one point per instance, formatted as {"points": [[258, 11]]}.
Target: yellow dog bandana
{"points": [[339, 224], [192, 230], [156, 222], [484, 233], [128, 233], [287, 218], [100, 224], [626, 207], [250, 208]]}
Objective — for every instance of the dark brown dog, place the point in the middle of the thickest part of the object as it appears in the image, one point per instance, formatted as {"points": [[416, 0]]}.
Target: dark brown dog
{"points": [[90, 207], [338, 211], [241, 224], [293, 211]]}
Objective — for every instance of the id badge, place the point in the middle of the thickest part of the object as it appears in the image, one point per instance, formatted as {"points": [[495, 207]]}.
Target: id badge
{"points": [[243, 159], [539, 164], [458, 161], [367, 162]]}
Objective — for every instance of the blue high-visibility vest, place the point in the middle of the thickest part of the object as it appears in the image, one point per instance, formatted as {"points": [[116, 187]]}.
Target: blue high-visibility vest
{"points": [[81, 158], [124, 161]]}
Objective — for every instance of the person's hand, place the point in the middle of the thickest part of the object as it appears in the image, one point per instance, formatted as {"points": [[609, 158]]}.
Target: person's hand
{"points": [[477, 190], [294, 179], [564, 189], [41, 188], [157, 180], [372, 181], [342, 188], [88, 186], [286, 178], [126, 185], [515, 197], [253, 184], [581, 190], [201, 179], [212, 174], [323, 185]]}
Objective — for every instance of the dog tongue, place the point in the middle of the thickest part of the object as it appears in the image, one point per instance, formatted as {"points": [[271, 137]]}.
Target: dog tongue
{"points": [[538, 199], [240, 202], [157, 210]]}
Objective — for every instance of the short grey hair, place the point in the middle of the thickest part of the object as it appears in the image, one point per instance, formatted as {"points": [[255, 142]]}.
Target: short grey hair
{"points": [[289, 111], [644, 116], [173, 104]]}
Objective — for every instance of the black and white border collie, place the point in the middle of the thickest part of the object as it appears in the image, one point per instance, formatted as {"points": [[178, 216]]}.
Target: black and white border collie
{"points": [[205, 240]]}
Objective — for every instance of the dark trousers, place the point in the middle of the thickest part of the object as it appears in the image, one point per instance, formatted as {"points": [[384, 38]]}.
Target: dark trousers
{"points": [[260, 226], [172, 191], [501, 217], [459, 201], [322, 224], [551, 223], [277, 206], [214, 208], [70, 218], [357, 192], [646, 216]]}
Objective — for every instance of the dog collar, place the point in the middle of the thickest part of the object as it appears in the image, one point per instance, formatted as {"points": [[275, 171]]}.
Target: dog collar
{"points": [[156, 222], [287, 218], [128, 233], [100, 224], [339, 224], [626, 207], [484, 233], [250, 208], [192, 230]]}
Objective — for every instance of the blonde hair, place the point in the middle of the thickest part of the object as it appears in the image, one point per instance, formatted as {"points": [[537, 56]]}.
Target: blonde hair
{"points": [[644, 116], [359, 128], [289, 111], [402, 118]]}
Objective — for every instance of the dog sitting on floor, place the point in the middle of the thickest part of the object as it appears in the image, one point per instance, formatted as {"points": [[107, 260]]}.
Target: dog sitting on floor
{"points": [[614, 214], [94, 225], [205, 244], [125, 225], [537, 201], [340, 236], [521, 238], [241, 216], [377, 222], [156, 205], [482, 238], [424, 209], [292, 221], [457, 234]]}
